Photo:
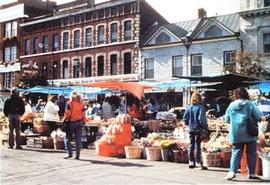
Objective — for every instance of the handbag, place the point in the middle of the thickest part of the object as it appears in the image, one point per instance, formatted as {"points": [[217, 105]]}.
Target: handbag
{"points": [[204, 134], [66, 126], [252, 125], [66, 123]]}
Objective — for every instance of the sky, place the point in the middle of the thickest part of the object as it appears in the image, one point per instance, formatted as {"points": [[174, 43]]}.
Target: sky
{"points": [[180, 10]]}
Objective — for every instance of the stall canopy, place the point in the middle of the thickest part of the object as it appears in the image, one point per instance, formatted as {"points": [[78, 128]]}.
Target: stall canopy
{"points": [[165, 85], [65, 90], [265, 86], [135, 88], [225, 82]]}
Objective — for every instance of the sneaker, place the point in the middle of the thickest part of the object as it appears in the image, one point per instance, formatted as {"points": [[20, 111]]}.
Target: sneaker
{"points": [[230, 176], [10, 147], [77, 158], [67, 157], [252, 176], [191, 166], [19, 147]]}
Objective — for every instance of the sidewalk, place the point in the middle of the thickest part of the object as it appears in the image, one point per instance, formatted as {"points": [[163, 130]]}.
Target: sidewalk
{"points": [[28, 167]]}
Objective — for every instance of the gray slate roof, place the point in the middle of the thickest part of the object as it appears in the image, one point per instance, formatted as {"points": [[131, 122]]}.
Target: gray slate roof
{"points": [[190, 27]]}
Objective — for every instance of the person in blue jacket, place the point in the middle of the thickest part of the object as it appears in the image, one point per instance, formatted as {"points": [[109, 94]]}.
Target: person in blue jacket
{"points": [[195, 118], [237, 115]]}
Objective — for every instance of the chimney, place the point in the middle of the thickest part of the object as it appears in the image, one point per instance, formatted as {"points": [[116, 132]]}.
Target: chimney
{"points": [[201, 13]]}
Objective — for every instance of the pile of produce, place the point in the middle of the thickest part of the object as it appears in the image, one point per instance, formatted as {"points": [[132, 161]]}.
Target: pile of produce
{"points": [[117, 135], [217, 124]]}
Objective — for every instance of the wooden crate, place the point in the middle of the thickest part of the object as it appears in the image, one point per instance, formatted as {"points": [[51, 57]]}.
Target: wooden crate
{"points": [[40, 142], [58, 143]]}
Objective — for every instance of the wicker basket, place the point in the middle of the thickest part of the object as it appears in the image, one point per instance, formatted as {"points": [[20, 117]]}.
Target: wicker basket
{"points": [[153, 153], [133, 152], [211, 159]]}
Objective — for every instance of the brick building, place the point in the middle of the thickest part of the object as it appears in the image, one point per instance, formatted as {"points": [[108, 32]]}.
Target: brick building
{"points": [[12, 14], [84, 42]]}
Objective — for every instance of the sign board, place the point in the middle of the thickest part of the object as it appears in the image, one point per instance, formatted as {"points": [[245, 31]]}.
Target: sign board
{"points": [[10, 68], [12, 13], [124, 78]]}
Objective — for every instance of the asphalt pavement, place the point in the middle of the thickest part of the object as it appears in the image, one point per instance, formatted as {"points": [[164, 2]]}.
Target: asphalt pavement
{"points": [[31, 167]]}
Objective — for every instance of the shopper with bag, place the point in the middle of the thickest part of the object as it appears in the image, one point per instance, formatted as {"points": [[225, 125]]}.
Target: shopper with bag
{"points": [[239, 114], [195, 118], [75, 117]]}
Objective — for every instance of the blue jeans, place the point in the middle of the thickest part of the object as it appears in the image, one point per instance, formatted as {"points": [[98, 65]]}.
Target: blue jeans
{"points": [[75, 128], [195, 144], [237, 151]]}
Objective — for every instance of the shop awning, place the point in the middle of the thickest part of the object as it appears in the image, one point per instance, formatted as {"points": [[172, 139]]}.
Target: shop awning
{"points": [[221, 78], [135, 88], [265, 86]]}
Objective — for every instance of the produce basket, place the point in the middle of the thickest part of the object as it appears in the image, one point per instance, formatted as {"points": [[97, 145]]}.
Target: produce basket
{"points": [[133, 152], [153, 153], [211, 159]]}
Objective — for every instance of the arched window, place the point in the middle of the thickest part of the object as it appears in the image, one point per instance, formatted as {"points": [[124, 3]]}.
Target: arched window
{"points": [[127, 30], [101, 66], [213, 31], [65, 69], [76, 68], [76, 39], [113, 64], [88, 37], [55, 70], [44, 69], [65, 40], [88, 67], [114, 32], [101, 35], [162, 38], [127, 63]]}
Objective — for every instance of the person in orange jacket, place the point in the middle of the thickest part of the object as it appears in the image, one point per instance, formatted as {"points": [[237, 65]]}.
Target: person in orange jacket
{"points": [[75, 114]]}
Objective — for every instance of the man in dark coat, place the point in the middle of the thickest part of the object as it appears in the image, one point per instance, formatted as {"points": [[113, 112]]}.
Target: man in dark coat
{"points": [[14, 109]]}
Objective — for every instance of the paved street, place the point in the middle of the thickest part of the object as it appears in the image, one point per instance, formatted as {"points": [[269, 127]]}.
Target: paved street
{"points": [[32, 167]]}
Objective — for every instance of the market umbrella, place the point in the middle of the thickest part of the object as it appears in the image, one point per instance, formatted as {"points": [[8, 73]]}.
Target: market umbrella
{"points": [[135, 88]]}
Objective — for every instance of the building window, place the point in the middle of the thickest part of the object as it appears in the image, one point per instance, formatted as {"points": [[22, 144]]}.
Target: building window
{"points": [[65, 40], [55, 70], [127, 8], [213, 31], [266, 3], [7, 54], [45, 43], [10, 79], [229, 58], [196, 65], [127, 63], [162, 38], [26, 47], [13, 53], [65, 70], [113, 60], [55, 42], [88, 37], [35, 45], [149, 68], [76, 39], [114, 11], [114, 32], [177, 66], [101, 36], [8, 29], [127, 30], [266, 43], [14, 28], [88, 67], [44, 72], [101, 66], [248, 3], [76, 68]]}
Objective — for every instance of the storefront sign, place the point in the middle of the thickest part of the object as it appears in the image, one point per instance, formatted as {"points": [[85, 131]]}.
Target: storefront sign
{"points": [[10, 68], [74, 81]]}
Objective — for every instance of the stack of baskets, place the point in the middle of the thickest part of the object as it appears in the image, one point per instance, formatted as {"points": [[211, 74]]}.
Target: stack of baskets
{"points": [[211, 159], [133, 152]]}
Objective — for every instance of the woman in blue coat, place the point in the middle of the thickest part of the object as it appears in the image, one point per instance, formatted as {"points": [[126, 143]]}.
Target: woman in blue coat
{"points": [[237, 115], [195, 118]]}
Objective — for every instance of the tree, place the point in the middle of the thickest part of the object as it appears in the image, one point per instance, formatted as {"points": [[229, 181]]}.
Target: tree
{"points": [[246, 65]]}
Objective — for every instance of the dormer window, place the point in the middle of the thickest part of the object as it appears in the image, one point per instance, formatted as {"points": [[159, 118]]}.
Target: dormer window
{"points": [[213, 31], [162, 38]]}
